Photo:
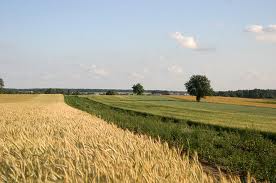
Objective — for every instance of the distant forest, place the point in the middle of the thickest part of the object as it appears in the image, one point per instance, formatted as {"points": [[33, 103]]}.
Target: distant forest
{"points": [[55, 91], [85, 91], [256, 93]]}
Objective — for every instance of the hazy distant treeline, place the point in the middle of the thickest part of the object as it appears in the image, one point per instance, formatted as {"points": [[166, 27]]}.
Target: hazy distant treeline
{"points": [[51, 91], [84, 91], [256, 93]]}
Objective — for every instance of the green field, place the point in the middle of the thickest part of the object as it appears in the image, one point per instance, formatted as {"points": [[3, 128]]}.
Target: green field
{"points": [[238, 116]]}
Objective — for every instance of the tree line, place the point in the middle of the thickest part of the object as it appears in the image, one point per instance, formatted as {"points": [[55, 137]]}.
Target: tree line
{"points": [[198, 85], [255, 93]]}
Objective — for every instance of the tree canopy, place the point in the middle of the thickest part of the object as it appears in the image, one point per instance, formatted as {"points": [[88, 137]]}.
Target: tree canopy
{"points": [[1, 83], [138, 89], [199, 86], [255, 93], [111, 92]]}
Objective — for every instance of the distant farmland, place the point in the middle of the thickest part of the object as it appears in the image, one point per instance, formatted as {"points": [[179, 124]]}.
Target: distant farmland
{"points": [[234, 100], [217, 112]]}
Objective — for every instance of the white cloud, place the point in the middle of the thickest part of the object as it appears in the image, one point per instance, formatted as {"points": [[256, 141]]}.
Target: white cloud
{"points": [[185, 41], [266, 34], [175, 69], [99, 71], [261, 29], [270, 28], [95, 70], [254, 28]]}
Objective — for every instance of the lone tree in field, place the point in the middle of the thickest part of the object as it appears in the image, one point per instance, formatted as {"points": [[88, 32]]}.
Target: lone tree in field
{"points": [[199, 86], [138, 89], [1, 83]]}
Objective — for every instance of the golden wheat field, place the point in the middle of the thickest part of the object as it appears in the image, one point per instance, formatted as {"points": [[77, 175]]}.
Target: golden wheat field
{"points": [[233, 100], [44, 140]]}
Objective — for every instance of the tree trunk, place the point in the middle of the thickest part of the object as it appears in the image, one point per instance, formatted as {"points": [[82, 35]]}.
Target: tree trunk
{"points": [[198, 98]]}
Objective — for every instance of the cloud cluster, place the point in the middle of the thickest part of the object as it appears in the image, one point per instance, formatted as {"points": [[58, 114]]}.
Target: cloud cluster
{"points": [[185, 41], [95, 70], [267, 34], [175, 69], [254, 28], [98, 71], [261, 29], [139, 75]]}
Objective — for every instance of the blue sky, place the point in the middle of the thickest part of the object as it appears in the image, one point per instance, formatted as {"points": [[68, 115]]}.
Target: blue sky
{"points": [[114, 44]]}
